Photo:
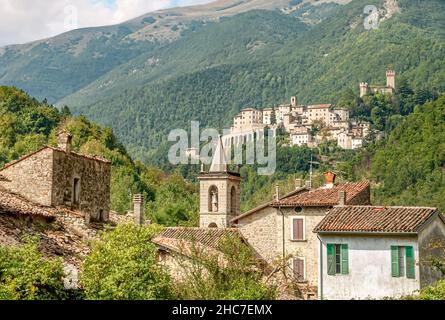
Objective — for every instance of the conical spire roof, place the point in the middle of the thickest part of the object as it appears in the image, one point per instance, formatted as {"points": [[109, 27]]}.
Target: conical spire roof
{"points": [[219, 162]]}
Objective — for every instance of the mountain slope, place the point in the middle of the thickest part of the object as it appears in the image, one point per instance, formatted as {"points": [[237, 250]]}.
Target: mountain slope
{"points": [[164, 69], [209, 76], [56, 67]]}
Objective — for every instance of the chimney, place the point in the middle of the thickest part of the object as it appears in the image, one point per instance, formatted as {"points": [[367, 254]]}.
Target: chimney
{"points": [[64, 141], [342, 198], [308, 184], [138, 202], [293, 101], [330, 179], [298, 184], [277, 193]]}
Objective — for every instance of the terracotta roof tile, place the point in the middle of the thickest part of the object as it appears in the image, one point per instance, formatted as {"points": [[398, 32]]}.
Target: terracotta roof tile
{"points": [[375, 219], [210, 237], [16, 204], [323, 197]]}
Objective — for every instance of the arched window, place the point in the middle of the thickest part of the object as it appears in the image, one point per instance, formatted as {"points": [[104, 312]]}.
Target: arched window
{"points": [[213, 225], [233, 200], [213, 199]]}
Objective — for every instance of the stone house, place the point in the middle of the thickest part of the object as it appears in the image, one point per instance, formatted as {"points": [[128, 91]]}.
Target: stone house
{"points": [[177, 247], [282, 229], [59, 177], [377, 252]]}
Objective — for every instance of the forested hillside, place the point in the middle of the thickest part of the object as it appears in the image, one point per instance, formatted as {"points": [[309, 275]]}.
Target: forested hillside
{"points": [[143, 87], [209, 75]]}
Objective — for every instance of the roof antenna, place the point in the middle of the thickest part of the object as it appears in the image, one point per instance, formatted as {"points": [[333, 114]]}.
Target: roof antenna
{"points": [[312, 162]]}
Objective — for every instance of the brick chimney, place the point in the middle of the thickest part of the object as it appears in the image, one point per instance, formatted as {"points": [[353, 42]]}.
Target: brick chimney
{"points": [[342, 198], [64, 141], [329, 179], [138, 210]]}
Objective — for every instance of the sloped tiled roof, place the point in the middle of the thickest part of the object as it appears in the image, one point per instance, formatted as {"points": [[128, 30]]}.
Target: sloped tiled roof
{"points": [[375, 219], [15, 204], [323, 197], [209, 237], [95, 158]]}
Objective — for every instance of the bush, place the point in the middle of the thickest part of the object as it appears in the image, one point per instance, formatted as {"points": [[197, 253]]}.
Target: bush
{"points": [[233, 276], [123, 266], [26, 275]]}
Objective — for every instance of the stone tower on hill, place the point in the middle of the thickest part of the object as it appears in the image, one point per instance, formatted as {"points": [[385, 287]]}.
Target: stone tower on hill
{"points": [[219, 192], [390, 87]]}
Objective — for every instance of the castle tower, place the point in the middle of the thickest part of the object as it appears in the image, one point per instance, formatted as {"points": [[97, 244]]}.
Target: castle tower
{"points": [[293, 101], [219, 194], [391, 79], [364, 88]]}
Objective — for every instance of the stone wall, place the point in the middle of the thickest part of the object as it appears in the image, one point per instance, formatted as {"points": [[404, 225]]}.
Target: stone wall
{"points": [[363, 198], [431, 243], [260, 231], [94, 180], [31, 177], [307, 248]]}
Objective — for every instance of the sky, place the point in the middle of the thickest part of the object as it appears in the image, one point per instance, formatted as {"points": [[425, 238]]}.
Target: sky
{"points": [[28, 20]]}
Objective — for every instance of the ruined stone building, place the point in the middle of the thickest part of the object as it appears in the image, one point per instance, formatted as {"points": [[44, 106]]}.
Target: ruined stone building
{"points": [[59, 177]]}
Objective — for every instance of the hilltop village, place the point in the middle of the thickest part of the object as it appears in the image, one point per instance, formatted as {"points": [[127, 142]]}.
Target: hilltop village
{"points": [[312, 124], [331, 241]]}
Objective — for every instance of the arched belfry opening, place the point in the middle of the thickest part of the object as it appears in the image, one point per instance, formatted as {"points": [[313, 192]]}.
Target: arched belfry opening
{"points": [[213, 199], [233, 202]]}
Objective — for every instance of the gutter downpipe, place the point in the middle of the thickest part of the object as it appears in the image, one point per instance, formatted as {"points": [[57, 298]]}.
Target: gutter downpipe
{"points": [[283, 239], [320, 268]]}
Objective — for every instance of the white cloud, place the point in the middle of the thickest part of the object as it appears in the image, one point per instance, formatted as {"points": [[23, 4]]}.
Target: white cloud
{"points": [[27, 20]]}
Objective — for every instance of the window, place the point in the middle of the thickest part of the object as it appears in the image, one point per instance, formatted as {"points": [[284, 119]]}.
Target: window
{"points": [[213, 199], [402, 262], [297, 231], [337, 259], [76, 190], [299, 269]]}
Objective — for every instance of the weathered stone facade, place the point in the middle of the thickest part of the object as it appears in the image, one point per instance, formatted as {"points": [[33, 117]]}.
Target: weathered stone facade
{"points": [[226, 187], [31, 177], [93, 183], [56, 177]]}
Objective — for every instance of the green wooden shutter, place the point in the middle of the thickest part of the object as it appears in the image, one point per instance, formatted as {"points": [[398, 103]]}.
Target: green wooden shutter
{"points": [[395, 261], [344, 259], [410, 273], [331, 259]]}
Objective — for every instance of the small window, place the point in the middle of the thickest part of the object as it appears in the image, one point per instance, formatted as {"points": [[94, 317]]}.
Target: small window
{"points": [[298, 209], [402, 262], [338, 259], [297, 231], [76, 190]]}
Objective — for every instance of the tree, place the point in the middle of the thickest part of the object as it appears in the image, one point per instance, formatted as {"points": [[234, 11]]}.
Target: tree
{"points": [[123, 266], [25, 274], [233, 273]]}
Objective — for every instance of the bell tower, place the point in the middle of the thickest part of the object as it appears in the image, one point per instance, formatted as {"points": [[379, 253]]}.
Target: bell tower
{"points": [[219, 193]]}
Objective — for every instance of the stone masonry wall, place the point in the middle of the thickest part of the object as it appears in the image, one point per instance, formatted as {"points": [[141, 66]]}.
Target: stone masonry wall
{"points": [[31, 177], [94, 178], [260, 231]]}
